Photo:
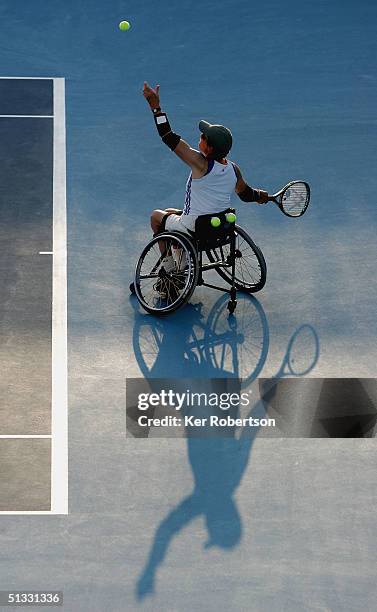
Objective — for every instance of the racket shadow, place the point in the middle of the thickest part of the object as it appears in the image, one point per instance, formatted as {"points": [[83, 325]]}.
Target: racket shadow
{"points": [[279, 398]]}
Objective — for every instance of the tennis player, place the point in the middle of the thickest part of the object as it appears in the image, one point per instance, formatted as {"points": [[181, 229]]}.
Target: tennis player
{"points": [[213, 177]]}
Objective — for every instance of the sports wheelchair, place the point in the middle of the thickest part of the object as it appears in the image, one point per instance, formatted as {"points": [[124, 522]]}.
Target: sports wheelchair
{"points": [[228, 248]]}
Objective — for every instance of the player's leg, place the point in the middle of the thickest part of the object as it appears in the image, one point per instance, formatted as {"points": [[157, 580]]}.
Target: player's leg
{"points": [[158, 217], [158, 223], [173, 222]]}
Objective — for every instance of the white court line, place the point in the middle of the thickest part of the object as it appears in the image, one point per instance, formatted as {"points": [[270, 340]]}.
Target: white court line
{"points": [[45, 253], [27, 116], [59, 424]]}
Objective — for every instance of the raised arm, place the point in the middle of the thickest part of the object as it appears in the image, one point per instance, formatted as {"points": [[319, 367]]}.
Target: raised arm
{"points": [[174, 141], [247, 193]]}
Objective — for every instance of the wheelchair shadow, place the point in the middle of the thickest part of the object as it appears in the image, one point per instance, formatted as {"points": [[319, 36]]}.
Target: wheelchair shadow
{"points": [[190, 344]]}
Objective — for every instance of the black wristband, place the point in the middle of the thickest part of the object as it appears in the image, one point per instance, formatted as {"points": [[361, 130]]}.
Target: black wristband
{"points": [[249, 194], [171, 140], [162, 123], [164, 129]]}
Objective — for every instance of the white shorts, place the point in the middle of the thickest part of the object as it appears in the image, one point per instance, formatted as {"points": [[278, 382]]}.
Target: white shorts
{"points": [[180, 223]]}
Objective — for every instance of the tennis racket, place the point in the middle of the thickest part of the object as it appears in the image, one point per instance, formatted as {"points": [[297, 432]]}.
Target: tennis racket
{"points": [[293, 199]]}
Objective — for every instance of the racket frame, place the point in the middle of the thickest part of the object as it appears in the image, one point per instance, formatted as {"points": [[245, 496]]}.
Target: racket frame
{"points": [[277, 198]]}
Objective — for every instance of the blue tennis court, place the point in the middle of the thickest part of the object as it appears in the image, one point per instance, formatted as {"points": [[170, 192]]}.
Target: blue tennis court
{"points": [[263, 524]]}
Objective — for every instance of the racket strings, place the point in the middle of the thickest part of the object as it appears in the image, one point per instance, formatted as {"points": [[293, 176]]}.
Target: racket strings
{"points": [[295, 199]]}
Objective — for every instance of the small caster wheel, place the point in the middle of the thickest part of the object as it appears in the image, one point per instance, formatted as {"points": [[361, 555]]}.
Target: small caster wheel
{"points": [[132, 288], [232, 306]]}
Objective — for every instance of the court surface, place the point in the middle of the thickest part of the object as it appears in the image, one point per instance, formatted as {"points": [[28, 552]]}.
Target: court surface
{"points": [[160, 524]]}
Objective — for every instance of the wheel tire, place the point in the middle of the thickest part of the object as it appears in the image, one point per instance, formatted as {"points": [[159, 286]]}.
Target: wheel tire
{"points": [[256, 278], [158, 308]]}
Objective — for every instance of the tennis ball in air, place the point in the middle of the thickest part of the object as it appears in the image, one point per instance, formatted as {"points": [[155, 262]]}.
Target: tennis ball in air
{"points": [[230, 217], [124, 25], [215, 222]]}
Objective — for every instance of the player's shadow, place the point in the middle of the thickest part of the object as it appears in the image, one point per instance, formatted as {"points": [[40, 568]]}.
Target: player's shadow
{"points": [[218, 465]]}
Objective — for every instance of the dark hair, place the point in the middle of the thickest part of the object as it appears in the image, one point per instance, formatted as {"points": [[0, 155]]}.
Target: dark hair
{"points": [[216, 155]]}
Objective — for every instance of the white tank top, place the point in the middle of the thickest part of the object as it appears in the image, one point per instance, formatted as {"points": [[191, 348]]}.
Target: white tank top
{"points": [[210, 193]]}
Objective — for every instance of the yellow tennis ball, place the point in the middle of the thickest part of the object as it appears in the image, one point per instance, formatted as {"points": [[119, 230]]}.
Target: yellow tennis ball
{"points": [[124, 25], [230, 217], [215, 222]]}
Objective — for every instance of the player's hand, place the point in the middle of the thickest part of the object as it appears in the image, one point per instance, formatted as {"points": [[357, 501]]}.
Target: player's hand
{"points": [[152, 95]]}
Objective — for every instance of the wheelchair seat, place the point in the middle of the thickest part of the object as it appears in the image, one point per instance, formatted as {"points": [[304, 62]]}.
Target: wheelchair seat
{"points": [[209, 237]]}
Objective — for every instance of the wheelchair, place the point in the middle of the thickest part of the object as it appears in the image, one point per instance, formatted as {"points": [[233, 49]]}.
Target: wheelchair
{"points": [[226, 248]]}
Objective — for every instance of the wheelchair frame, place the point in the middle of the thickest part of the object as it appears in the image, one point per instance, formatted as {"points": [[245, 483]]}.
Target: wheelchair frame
{"points": [[205, 239]]}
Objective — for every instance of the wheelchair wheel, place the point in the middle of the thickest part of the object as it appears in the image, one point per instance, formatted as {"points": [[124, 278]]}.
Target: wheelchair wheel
{"points": [[159, 290], [250, 266]]}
